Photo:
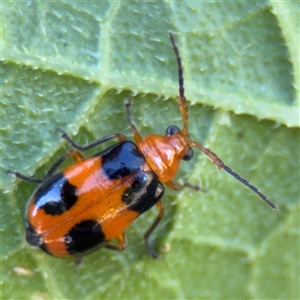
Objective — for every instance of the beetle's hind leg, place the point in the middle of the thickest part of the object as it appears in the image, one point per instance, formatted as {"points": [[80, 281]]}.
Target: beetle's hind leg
{"points": [[147, 235], [23, 177], [122, 243], [74, 154]]}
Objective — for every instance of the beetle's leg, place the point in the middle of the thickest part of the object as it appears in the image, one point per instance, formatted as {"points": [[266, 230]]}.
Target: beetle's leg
{"points": [[186, 184], [23, 177], [137, 136], [119, 136], [172, 185], [122, 243], [161, 209], [77, 263], [77, 156], [181, 184]]}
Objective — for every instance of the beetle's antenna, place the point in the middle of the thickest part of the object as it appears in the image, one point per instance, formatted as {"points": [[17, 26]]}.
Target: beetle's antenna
{"points": [[212, 156], [179, 64], [181, 98], [220, 165], [137, 136], [250, 186]]}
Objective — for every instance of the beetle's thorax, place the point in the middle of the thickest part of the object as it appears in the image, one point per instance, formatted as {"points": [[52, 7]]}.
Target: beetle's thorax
{"points": [[163, 154]]}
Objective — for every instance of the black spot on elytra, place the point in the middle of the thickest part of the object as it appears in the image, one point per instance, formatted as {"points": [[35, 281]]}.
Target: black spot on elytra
{"points": [[56, 195], [84, 237], [144, 192], [32, 237], [122, 159]]}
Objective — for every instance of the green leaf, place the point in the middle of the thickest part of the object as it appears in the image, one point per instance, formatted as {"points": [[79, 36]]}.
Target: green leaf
{"points": [[72, 64]]}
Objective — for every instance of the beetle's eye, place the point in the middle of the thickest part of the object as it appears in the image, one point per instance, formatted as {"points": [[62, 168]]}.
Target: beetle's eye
{"points": [[189, 154], [171, 130]]}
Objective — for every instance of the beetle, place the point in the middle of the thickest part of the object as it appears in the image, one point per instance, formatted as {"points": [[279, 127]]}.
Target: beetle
{"points": [[91, 202]]}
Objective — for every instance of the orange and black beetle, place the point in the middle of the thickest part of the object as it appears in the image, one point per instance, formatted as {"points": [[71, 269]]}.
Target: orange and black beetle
{"points": [[92, 202]]}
